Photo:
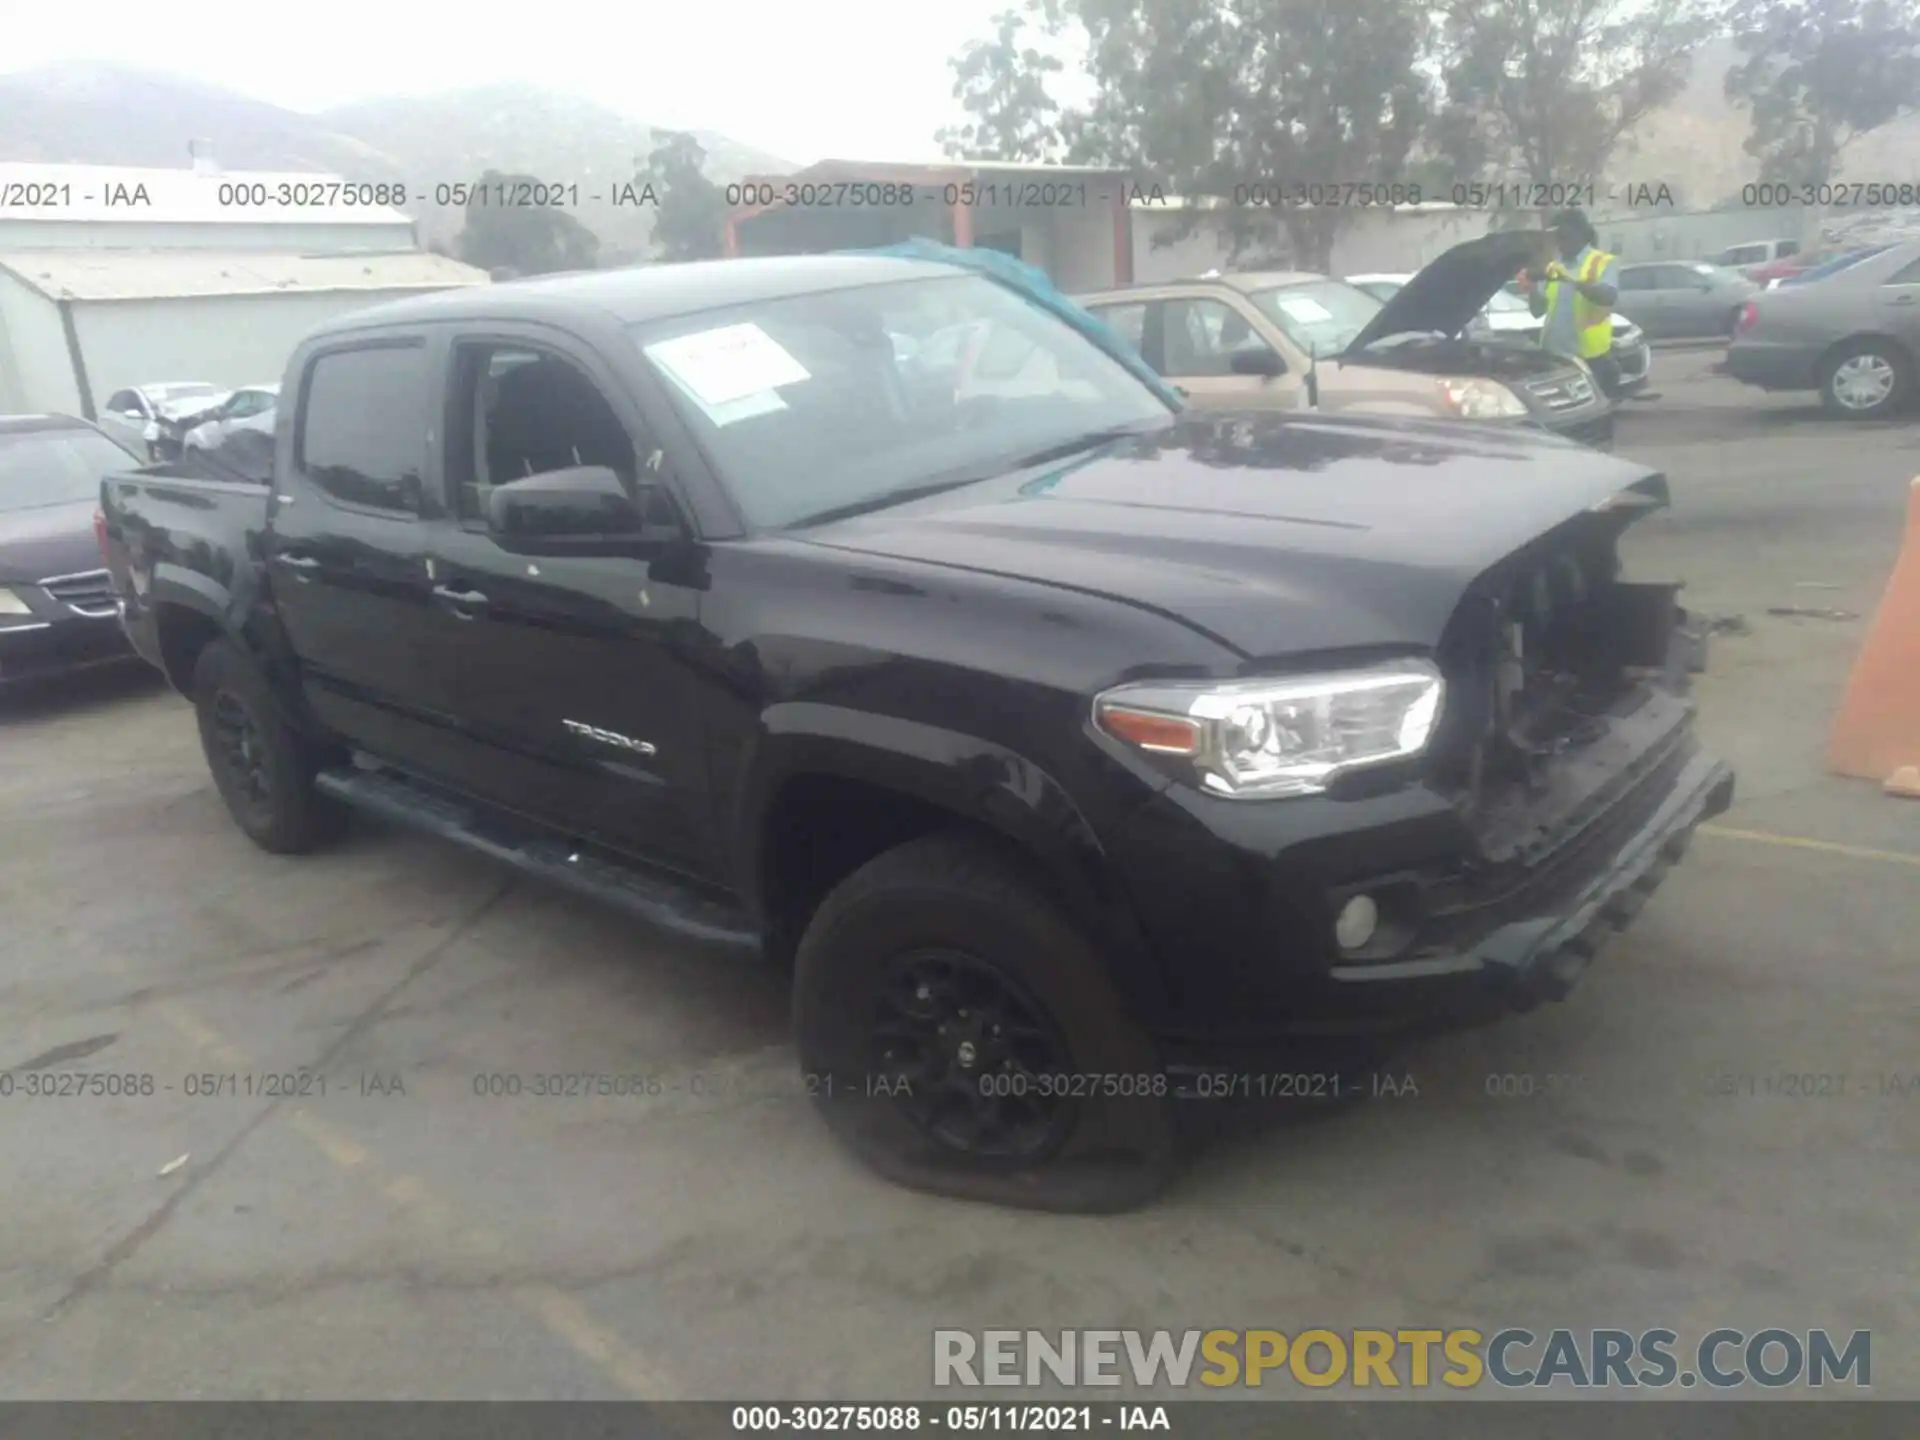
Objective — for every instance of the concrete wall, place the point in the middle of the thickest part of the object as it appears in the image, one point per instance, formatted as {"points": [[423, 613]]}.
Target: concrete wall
{"points": [[229, 340], [1084, 247], [35, 373], [37, 234], [1389, 241]]}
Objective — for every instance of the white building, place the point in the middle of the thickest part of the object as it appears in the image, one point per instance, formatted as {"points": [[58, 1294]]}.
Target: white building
{"points": [[113, 277]]}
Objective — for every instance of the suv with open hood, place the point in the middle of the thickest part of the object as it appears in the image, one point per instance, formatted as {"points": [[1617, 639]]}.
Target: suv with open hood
{"points": [[1254, 340]]}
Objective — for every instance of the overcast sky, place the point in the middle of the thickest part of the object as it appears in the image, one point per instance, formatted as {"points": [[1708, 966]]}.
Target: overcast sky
{"points": [[865, 79]]}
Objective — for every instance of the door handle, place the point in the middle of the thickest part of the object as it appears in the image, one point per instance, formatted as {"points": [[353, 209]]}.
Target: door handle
{"points": [[462, 601], [1904, 300], [297, 562]]}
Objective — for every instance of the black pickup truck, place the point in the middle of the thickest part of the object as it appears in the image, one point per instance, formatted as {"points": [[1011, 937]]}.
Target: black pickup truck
{"points": [[1078, 754]]}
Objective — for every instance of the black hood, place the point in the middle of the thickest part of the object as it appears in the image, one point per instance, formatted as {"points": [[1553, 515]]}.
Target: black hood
{"points": [[1274, 534], [1447, 294], [47, 540]]}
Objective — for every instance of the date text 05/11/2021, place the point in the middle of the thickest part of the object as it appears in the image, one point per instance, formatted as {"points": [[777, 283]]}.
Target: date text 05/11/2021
{"points": [[908, 1417], [199, 1085]]}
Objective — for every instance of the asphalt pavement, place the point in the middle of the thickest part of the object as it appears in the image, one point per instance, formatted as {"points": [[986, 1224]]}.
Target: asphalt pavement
{"points": [[230, 1229]]}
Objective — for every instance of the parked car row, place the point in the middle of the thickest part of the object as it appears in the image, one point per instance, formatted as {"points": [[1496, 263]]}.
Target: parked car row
{"points": [[1285, 340], [887, 617]]}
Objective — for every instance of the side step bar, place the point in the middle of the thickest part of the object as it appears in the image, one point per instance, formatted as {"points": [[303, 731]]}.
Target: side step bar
{"points": [[678, 911]]}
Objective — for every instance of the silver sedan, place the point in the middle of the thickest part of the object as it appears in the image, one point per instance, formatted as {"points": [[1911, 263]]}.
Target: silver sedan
{"points": [[1853, 336]]}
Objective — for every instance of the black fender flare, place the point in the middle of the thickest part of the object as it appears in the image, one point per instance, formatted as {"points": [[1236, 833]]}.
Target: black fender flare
{"points": [[975, 780], [236, 613]]}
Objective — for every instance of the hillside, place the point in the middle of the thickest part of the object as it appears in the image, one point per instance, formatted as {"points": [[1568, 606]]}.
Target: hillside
{"points": [[109, 115], [556, 138], [1696, 143]]}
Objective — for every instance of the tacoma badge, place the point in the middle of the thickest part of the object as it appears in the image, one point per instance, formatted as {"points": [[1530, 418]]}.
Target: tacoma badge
{"points": [[608, 737]]}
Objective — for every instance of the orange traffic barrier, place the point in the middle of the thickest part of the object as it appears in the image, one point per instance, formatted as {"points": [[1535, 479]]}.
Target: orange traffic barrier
{"points": [[1876, 735]]}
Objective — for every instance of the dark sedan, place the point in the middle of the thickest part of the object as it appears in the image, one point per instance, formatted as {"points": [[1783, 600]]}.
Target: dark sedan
{"points": [[57, 607]]}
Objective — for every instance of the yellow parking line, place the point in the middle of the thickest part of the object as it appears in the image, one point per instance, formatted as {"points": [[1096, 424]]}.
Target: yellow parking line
{"points": [[1800, 842], [562, 1315], [338, 1148]]}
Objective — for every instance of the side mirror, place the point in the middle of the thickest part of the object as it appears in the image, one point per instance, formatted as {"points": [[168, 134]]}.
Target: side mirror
{"points": [[1262, 362], [583, 509]]}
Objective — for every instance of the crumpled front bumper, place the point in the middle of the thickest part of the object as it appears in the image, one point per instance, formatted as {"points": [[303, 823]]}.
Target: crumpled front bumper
{"points": [[1543, 957]]}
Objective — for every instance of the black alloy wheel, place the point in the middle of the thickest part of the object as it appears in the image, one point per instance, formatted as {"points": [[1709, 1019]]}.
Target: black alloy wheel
{"points": [[974, 1063], [242, 749]]}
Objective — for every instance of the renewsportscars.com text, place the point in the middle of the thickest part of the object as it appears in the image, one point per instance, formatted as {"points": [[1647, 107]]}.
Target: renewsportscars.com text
{"points": [[1411, 1359]]}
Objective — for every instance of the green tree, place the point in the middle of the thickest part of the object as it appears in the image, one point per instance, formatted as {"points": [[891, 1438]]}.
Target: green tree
{"points": [[1207, 97], [1817, 74], [520, 239], [690, 209], [1002, 85], [1544, 91]]}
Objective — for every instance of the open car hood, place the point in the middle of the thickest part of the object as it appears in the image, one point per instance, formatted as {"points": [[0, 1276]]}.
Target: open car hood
{"points": [[1449, 293]]}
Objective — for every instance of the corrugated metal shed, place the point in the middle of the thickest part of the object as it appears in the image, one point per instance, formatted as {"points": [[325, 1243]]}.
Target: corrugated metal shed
{"points": [[180, 274], [110, 194]]}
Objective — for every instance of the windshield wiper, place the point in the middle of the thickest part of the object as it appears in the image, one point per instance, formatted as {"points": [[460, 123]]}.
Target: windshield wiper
{"points": [[882, 501], [975, 474], [1092, 439]]}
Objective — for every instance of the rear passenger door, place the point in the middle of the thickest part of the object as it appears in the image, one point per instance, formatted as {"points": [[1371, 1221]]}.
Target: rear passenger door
{"points": [[346, 547], [576, 686]]}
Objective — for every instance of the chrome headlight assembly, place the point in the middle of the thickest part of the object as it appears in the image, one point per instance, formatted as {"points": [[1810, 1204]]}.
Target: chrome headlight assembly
{"points": [[1480, 399], [1289, 735]]}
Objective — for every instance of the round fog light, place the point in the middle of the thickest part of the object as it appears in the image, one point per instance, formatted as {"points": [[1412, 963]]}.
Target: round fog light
{"points": [[1356, 922]]}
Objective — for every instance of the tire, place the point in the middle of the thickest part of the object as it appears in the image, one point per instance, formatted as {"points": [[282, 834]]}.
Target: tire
{"points": [[1856, 370], [273, 799], [950, 907]]}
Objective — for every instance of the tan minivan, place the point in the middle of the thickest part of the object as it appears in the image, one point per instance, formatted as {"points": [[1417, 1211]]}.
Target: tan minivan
{"points": [[1285, 340]]}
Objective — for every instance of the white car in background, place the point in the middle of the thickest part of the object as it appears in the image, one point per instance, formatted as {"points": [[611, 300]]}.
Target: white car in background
{"points": [[1507, 315], [149, 419], [251, 407]]}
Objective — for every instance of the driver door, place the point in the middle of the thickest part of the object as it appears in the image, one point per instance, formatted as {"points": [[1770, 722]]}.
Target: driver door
{"points": [[558, 660], [1191, 341]]}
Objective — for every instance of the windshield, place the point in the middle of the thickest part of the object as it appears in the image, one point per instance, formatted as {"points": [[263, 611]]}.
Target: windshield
{"points": [[814, 403], [1320, 316], [55, 467]]}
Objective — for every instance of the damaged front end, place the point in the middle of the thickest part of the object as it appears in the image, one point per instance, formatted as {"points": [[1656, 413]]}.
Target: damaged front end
{"points": [[1568, 743]]}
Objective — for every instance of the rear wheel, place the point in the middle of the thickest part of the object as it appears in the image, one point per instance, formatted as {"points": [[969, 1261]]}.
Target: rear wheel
{"points": [[262, 767], [1865, 379], [962, 1036]]}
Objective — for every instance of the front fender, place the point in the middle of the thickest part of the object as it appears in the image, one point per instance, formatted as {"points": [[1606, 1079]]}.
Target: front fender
{"points": [[976, 780]]}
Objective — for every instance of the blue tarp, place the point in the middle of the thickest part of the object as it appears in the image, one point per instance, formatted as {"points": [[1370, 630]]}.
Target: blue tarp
{"points": [[1033, 284]]}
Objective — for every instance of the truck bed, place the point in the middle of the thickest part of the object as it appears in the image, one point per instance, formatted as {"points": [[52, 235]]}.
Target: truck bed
{"points": [[170, 531]]}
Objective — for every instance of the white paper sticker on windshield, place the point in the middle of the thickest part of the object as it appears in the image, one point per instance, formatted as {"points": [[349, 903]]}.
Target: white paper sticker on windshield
{"points": [[745, 408], [1307, 311], [728, 364]]}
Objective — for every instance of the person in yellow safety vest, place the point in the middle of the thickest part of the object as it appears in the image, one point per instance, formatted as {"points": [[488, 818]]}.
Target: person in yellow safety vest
{"points": [[1577, 297]]}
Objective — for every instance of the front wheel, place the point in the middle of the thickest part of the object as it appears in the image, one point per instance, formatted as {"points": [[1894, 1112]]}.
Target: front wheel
{"points": [[961, 1036], [1865, 380], [262, 767]]}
